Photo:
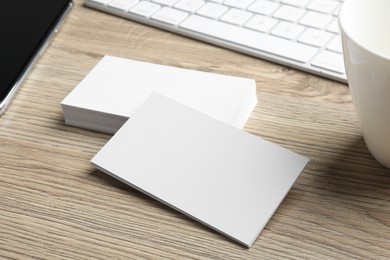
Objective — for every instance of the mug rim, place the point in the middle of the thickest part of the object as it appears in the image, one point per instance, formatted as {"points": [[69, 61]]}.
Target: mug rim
{"points": [[343, 31]]}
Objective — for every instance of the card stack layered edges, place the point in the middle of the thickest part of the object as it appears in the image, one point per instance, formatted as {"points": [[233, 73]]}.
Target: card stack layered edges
{"points": [[116, 87], [215, 173]]}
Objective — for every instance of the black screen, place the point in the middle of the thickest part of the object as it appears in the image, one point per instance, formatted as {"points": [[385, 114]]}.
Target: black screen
{"points": [[24, 25]]}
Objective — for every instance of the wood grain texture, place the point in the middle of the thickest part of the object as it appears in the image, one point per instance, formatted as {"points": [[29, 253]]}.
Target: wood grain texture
{"points": [[54, 205]]}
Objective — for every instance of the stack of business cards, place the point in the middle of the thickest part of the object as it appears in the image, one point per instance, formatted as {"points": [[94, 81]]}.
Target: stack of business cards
{"points": [[116, 87], [179, 142], [221, 176]]}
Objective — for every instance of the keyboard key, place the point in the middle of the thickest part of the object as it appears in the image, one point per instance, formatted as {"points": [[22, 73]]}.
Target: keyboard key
{"points": [[334, 27], [315, 19], [144, 8], [331, 61], [212, 10], [165, 2], [123, 5], [236, 16], [315, 37], [335, 45], [240, 4], [261, 23], [289, 13], [264, 7], [287, 30], [169, 15], [298, 3], [323, 6], [250, 39], [189, 5]]}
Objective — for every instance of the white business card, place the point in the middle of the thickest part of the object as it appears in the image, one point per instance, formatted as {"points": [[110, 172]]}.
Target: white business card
{"points": [[224, 177]]}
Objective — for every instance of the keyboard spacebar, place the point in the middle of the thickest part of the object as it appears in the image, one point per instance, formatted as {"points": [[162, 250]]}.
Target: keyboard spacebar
{"points": [[252, 39]]}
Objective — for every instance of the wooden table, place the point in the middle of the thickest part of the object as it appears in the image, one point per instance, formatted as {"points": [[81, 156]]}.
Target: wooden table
{"points": [[55, 205]]}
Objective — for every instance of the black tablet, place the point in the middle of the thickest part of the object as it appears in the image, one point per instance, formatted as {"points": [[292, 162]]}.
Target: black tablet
{"points": [[25, 29]]}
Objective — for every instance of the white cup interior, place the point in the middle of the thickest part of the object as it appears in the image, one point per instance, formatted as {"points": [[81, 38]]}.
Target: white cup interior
{"points": [[367, 23]]}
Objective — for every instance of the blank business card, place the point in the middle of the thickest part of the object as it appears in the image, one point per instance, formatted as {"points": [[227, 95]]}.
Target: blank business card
{"points": [[224, 177], [116, 87]]}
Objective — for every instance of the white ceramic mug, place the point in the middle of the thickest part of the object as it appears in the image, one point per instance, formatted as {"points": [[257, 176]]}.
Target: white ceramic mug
{"points": [[365, 31]]}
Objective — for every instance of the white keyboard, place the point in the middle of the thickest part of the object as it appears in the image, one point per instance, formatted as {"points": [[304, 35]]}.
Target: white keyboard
{"points": [[302, 34]]}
